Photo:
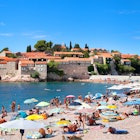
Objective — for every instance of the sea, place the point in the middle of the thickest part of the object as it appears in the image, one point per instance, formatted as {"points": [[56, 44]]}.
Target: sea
{"points": [[45, 91]]}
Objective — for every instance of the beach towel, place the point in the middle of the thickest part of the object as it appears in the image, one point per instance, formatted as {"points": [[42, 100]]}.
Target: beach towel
{"points": [[121, 132], [34, 135]]}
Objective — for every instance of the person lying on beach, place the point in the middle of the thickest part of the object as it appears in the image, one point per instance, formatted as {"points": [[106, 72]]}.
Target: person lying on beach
{"points": [[2, 120], [111, 130], [49, 131], [42, 132], [70, 128]]}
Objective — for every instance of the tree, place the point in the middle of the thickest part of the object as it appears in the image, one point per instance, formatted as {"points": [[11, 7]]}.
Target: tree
{"points": [[29, 48], [5, 49], [90, 68], [135, 63], [41, 45], [53, 67], [103, 69], [86, 46], [70, 45], [86, 54], [35, 74], [49, 45], [77, 46], [123, 69]]}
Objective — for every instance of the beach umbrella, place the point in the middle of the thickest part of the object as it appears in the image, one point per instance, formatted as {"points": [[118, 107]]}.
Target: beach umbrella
{"points": [[133, 102], [112, 107], [43, 104], [34, 117], [34, 100], [103, 103], [22, 124], [78, 100], [85, 105], [70, 96], [28, 101], [102, 107], [75, 104], [108, 115], [98, 96], [63, 123], [89, 95], [56, 110]]}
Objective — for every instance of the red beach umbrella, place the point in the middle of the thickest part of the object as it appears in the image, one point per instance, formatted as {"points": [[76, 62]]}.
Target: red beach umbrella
{"points": [[70, 96]]}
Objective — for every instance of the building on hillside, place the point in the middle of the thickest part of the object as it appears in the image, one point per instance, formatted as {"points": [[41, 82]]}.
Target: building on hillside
{"points": [[126, 62], [8, 67], [127, 56], [5, 53], [69, 54], [106, 58]]}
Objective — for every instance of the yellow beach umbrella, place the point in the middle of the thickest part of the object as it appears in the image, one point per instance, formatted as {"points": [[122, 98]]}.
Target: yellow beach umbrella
{"points": [[34, 117], [112, 107], [63, 123]]}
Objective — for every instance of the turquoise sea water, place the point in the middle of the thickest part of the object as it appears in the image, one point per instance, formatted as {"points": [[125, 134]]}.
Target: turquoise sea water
{"points": [[45, 91]]}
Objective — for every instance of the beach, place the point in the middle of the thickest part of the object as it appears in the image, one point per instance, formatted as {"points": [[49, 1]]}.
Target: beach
{"points": [[131, 123]]}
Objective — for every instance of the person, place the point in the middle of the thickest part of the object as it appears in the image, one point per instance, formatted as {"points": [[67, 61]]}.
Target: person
{"points": [[81, 119], [13, 105], [30, 112], [2, 109], [18, 107], [49, 131], [111, 130], [2, 120], [42, 132], [90, 121], [4, 114]]}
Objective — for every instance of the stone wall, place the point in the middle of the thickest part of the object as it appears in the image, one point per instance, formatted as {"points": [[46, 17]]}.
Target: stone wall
{"points": [[73, 70]]}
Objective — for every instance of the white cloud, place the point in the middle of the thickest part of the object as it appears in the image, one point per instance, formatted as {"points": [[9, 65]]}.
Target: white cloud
{"points": [[6, 34], [136, 37], [39, 36], [2, 23], [27, 34], [126, 12]]}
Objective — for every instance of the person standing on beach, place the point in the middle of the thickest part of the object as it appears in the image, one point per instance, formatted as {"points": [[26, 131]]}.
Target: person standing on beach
{"points": [[2, 109], [13, 105], [18, 107]]}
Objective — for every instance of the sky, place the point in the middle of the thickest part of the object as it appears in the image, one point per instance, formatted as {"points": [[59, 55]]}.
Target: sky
{"points": [[107, 24]]}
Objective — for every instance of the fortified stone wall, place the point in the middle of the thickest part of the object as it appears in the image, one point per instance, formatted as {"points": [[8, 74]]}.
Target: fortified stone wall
{"points": [[77, 71]]}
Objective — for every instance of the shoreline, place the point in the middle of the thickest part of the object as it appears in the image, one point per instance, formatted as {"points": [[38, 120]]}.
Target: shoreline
{"points": [[113, 79]]}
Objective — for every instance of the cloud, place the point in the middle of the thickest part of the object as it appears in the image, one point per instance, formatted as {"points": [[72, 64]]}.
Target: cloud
{"points": [[136, 37], [39, 36], [27, 34], [127, 12], [2, 23], [35, 35], [6, 34]]}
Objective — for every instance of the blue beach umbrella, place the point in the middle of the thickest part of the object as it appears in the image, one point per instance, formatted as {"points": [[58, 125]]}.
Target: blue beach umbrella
{"points": [[98, 96], [134, 102]]}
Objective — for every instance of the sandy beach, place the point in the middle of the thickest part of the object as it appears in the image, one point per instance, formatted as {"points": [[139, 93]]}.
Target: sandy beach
{"points": [[131, 124]]}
